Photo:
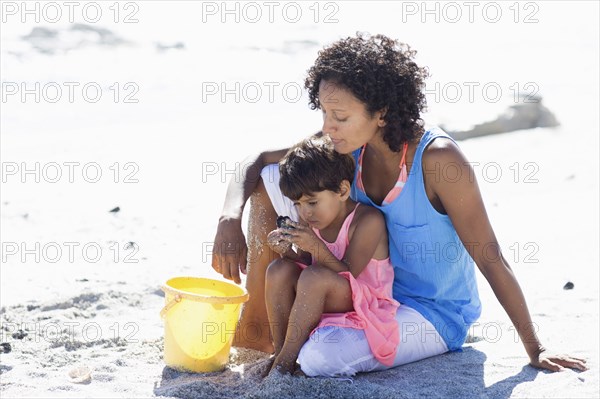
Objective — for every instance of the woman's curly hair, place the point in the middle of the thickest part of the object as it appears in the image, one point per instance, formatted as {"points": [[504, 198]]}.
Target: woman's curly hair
{"points": [[381, 73]]}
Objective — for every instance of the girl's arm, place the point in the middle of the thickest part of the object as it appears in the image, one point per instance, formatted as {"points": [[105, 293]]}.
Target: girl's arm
{"points": [[368, 241], [278, 243], [462, 202]]}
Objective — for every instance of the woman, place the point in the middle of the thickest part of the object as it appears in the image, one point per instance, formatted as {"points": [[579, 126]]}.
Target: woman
{"points": [[371, 94]]}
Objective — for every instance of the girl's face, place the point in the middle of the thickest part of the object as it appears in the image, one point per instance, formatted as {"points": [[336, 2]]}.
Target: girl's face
{"points": [[345, 118], [323, 208]]}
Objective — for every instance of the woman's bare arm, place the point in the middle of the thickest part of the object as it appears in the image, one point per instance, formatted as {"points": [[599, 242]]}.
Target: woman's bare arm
{"points": [[461, 200]]}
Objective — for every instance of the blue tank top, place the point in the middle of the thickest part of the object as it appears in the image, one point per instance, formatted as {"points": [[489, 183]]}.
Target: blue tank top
{"points": [[433, 272]]}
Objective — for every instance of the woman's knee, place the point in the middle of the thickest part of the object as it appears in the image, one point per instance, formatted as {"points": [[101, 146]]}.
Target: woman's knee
{"points": [[260, 195], [261, 220], [260, 188], [261, 203], [260, 199]]}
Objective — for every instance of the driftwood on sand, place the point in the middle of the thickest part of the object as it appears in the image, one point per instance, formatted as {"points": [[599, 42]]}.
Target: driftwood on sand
{"points": [[528, 114]]}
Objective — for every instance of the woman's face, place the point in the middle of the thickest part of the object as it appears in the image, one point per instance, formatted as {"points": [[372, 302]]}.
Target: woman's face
{"points": [[345, 118]]}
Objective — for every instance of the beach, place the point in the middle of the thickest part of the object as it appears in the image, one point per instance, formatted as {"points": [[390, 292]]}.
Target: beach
{"points": [[102, 202]]}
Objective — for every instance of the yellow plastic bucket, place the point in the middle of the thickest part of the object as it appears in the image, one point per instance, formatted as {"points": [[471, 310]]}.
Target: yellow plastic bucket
{"points": [[200, 317]]}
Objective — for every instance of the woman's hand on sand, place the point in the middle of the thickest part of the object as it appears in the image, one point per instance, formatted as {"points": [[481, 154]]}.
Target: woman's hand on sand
{"points": [[230, 250], [277, 242], [554, 362]]}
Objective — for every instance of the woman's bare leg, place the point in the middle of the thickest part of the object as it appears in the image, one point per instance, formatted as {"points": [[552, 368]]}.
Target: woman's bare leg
{"points": [[253, 328], [320, 290]]}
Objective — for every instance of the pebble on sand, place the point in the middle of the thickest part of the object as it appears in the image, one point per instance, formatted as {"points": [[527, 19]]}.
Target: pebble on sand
{"points": [[19, 334], [5, 347], [81, 375]]}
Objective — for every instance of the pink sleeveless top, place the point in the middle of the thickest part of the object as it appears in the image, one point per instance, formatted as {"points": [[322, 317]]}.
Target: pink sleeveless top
{"points": [[374, 307]]}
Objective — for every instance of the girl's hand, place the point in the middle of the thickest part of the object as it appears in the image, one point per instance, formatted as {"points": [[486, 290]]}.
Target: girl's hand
{"points": [[551, 361], [276, 241], [303, 237]]}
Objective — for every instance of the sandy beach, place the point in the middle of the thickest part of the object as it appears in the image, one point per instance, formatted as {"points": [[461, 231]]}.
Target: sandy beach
{"points": [[104, 316], [80, 285]]}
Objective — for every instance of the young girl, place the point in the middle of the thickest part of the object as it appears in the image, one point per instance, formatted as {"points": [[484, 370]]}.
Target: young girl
{"points": [[349, 280]]}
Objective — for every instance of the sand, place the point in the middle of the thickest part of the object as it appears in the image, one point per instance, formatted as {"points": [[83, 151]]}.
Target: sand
{"points": [[125, 366]]}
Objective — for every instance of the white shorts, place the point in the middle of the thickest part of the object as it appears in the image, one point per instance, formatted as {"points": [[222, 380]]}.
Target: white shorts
{"points": [[282, 204], [336, 351]]}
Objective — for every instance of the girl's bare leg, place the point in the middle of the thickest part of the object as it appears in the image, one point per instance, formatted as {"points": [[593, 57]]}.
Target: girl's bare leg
{"points": [[320, 290], [253, 328], [280, 291]]}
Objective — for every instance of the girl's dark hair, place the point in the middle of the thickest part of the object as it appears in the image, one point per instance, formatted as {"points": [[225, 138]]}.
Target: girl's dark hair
{"points": [[381, 73], [312, 166]]}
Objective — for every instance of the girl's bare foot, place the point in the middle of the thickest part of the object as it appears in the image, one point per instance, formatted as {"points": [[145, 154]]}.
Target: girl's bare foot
{"points": [[268, 366], [299, 372], [283, 366]]}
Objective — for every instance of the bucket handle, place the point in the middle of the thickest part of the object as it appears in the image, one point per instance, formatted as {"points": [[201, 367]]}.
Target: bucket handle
{"points": [[169, 305]]}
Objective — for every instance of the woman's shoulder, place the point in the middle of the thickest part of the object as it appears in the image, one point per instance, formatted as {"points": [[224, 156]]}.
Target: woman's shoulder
{"points": [[446, 172], [364, 210], [441, 151]]}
